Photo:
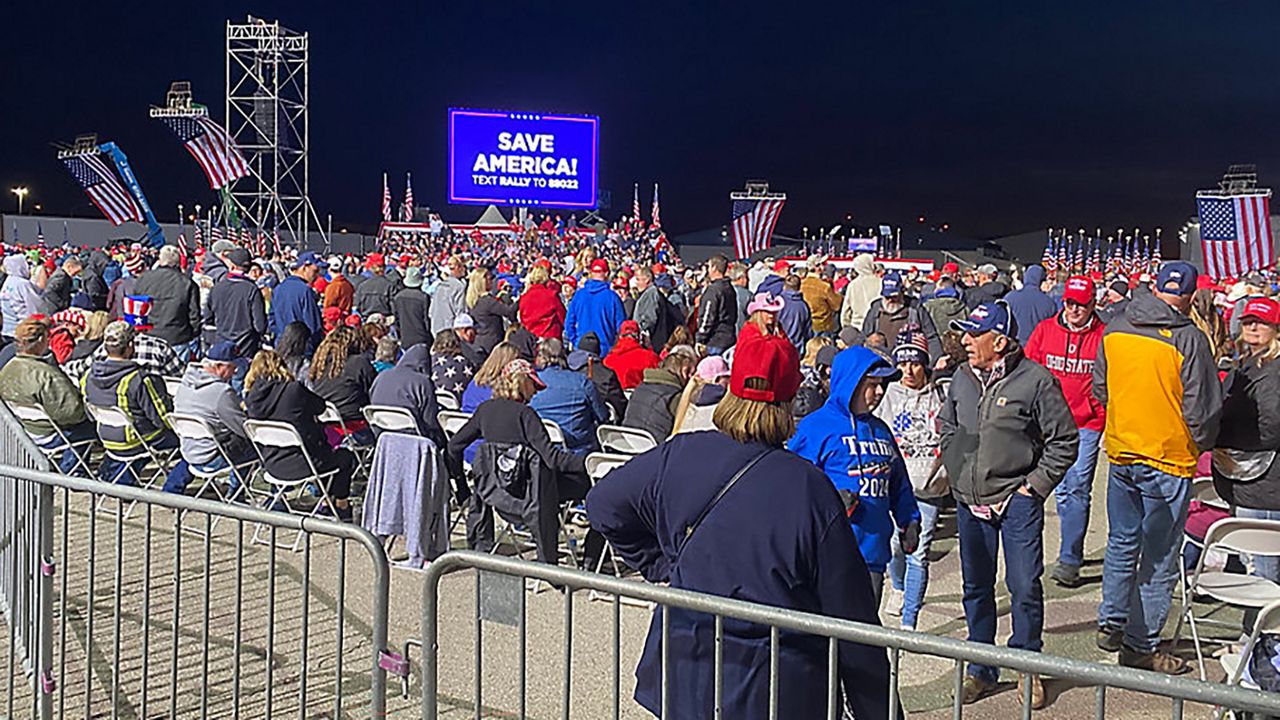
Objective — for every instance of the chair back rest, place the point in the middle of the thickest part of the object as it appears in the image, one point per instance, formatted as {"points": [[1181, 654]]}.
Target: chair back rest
{"points": [[107, 415], [271, 433], [447, 400], [330, 414], [600, 464], [1202, 489], [554, 431], [171, 385], [451, 421], [190, 427], [391, 419], [28, 412], [1268, 619], [626, 440], [1244, 535]]}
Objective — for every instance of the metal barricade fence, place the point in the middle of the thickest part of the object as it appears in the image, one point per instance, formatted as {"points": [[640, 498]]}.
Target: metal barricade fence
{"points": [[167, 613], [491, 569]]}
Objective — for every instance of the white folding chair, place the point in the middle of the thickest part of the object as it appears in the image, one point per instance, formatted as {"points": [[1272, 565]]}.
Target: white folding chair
{"points": [[388, 418], [625, 440], [79, 450], [1202, 489], [600, 464], [171, 385], [191, 427], [554, 431], [1238, 536], [113, 417], [451, 421], [273, 434], [447, 400], [1233, 665], [363, 453]]}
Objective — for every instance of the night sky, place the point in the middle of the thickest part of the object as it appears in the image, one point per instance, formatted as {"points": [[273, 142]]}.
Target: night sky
{"points": [[997, 118]]}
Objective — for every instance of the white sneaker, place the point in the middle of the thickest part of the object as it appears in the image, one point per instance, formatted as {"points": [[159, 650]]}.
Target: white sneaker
{"points": [[893, 602]]}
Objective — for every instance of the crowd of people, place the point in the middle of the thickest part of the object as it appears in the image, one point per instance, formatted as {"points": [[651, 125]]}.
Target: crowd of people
{"points": [[827, 416]]}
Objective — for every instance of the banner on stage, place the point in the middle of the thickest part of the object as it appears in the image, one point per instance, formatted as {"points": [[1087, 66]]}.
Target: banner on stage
{"points": [[522, 159], [860, 245]]}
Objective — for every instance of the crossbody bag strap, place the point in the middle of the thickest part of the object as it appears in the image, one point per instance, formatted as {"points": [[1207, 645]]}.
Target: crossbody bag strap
{"points": [[693, 526]]}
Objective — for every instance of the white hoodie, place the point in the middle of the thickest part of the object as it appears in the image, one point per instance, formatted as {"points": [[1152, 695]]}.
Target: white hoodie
{"points": [[862, 291], [912, 415]]}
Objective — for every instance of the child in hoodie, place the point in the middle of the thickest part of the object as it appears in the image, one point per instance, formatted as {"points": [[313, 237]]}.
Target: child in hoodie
{"points": [[858, 453], [910, 408]]}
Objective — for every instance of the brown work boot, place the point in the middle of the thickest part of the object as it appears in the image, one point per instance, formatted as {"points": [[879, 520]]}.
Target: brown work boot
{"points": [[974, 689], [1037, 691], [1158, 661]]}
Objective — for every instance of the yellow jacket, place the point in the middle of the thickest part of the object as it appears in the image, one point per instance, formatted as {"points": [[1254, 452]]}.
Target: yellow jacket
{"points": [[1156, 375], [823, 301]]}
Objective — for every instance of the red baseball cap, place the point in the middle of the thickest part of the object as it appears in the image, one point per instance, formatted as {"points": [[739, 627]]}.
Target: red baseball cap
{"points": [[375, 259], [1264, 309], [570, 280], [629, 327], [658, 268], [780, 265], [599, 265], [950, 268], [771, 358], [544, 263], [620, 282], [1080, 290]]}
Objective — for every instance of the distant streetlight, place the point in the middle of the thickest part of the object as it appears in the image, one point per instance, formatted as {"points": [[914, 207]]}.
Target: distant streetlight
{"points": [[38, 208], [21, 192]]}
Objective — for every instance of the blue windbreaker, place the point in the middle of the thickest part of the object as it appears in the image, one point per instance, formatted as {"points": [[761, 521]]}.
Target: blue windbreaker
{"points": [[858, 453], [595, 307]]}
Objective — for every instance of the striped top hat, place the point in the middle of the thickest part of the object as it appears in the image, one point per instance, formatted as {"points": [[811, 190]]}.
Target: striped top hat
{"points": [[137, 309]]}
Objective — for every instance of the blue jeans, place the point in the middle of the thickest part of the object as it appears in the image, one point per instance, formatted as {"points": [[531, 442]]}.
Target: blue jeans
{"points": [[1264, 566], [188, 352], [76, 434], [220, 463], [1021, 529], [714, 351], [128, 473], [910, 573], [1146, 514], [1073, 495]]}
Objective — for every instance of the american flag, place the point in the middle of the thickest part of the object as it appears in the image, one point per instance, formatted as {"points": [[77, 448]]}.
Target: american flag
{"points": [[1235, 233], [215, 234], [386, 199], [182, 235], [212, 147], [635, 204], [104, 188], [275, 239], [1047, 260], [657, 218], [753, 222], [196, 236], [406, 212]]}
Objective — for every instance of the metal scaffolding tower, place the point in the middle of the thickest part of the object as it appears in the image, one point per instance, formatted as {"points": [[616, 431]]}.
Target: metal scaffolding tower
{"points": [[266, 112]]}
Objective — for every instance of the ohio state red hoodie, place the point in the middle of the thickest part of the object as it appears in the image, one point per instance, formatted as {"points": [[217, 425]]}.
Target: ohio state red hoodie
{"points": [[1069, 356]]}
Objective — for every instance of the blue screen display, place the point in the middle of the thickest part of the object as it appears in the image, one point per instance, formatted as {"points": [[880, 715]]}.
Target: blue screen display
{"points": [[522, 159]]}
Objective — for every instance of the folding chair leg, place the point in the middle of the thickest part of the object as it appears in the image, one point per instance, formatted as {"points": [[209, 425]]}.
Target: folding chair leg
{"points": [[1195, 639]]}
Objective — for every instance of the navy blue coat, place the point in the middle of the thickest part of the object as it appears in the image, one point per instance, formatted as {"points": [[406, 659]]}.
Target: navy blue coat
{"points": [[294, 301], [778, 537]]}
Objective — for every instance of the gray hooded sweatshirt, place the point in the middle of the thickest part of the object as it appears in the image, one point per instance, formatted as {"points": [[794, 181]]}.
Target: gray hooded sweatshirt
{"points": [[18, 297], [213, 400]]}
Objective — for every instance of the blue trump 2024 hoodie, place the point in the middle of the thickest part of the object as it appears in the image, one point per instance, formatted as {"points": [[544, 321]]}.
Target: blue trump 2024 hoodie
{"points": [[858, 454], [595, 307]]}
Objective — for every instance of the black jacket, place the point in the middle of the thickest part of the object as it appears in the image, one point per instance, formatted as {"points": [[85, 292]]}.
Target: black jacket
{"points": [[489, 313], [984, 293], [291, 403], [1251, 422], [1018, 429], [603, 377], [57, 293], [175, 303], [374, 296], [349, 392], [718, 315], [653, 403], [238, 313], [513, 423], [412, 309], [911, 316], [92, 283], [147, 402]]}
